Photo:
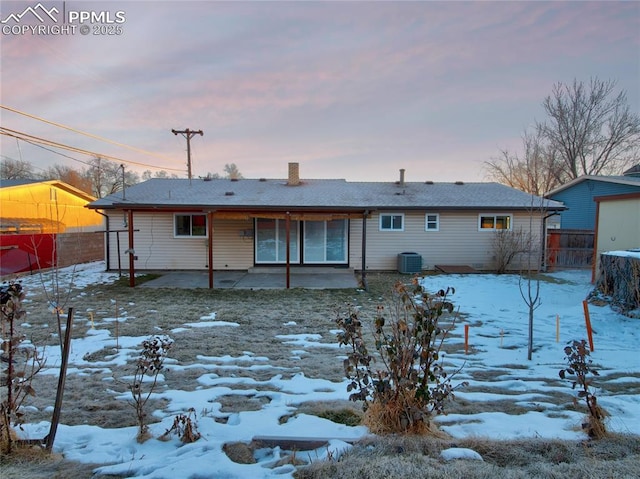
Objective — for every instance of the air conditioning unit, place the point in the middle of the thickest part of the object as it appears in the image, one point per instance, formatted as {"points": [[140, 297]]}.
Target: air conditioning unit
{"points": [[409, 263]]}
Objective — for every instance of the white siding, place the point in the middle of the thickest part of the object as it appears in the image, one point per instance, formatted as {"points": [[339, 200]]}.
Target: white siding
{"points": [[458, 241], [156, 247], [231, 249]]}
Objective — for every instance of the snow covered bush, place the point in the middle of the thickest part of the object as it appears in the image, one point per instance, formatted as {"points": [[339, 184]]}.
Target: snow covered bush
{"points": [[412, 384]]}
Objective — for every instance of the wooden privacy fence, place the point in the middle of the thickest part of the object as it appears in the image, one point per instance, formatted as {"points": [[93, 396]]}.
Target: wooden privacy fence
{"points": [[570, 248]]}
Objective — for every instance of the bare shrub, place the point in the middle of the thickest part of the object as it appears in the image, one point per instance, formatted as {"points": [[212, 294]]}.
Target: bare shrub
{"points": [[149, 364], [413, 385], [507, 245], [579, 365], [23, 363], [185, 427]]}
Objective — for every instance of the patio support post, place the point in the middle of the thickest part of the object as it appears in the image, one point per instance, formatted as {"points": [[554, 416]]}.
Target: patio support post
{"points": [[363, 274], [132, 271], [594, 260], [119, 259], [288, 237], [210, 243]]}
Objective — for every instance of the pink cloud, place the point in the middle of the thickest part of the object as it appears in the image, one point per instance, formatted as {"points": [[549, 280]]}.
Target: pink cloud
{"points": [[324, 83]]}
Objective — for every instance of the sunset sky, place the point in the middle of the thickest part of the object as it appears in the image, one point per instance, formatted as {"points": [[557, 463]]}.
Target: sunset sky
{"points": [[353, 90]]}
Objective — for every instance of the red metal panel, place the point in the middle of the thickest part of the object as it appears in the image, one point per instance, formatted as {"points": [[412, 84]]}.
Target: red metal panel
{"points": [[19, 253]]}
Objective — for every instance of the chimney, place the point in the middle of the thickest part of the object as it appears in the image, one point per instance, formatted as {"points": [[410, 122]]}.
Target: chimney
{"points": [[294, 174], [401, 183]]}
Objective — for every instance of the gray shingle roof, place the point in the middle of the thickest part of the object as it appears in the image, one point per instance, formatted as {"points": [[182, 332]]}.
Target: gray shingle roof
{"points": [[318, 194], [20, 182]]}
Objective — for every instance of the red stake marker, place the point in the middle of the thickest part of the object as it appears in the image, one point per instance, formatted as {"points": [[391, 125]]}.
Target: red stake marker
{"points": [[585, 305], [466, 339]]}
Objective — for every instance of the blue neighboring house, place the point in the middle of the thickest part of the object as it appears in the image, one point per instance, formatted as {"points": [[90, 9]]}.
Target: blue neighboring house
{"points": [[578, 196]]}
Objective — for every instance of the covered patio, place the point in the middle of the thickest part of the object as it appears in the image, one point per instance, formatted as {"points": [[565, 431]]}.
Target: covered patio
{"points": [[259, 278]]}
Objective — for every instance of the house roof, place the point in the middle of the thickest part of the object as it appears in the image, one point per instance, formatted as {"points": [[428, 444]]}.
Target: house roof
{"points": [[633, 171], [55, 183], [21, 182], [622, 180], [318, 194]]}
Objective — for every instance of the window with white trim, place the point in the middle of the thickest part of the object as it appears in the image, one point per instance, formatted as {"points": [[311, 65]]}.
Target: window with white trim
{"points": [[186, 226], [494, 222], [432, 222], [391, 222]]}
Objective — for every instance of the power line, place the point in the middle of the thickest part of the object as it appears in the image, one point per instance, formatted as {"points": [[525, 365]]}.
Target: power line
{"points": [[54, 152], [32, 139], [90, 135]]}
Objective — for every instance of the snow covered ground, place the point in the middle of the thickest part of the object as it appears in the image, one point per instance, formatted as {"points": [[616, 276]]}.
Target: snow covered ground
{"points": [[497, 316]]}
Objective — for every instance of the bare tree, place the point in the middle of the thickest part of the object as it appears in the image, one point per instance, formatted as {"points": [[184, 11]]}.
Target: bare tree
{"points": [[147, 175], [107, 177], [68, 175], [536, 171], [11, 169], [529, 281], [591, 127], [232, 172], [589, 131]]}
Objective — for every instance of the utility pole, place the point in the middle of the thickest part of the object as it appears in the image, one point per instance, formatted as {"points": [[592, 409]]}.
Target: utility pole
{"points": [[188, 134], [124, 186]]}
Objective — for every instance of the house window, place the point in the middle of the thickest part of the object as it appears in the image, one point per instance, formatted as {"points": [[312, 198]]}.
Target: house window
{"points": [[432, 222], [494, 222], [392, 222], [190, 225]]}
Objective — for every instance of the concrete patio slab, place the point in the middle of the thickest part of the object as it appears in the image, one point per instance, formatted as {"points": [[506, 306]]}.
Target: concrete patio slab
{"points": [[259, 278]]}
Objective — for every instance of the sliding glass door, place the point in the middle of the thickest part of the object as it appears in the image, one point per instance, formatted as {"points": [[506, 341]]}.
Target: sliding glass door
{"points": [[325, 242], [271, 241]]}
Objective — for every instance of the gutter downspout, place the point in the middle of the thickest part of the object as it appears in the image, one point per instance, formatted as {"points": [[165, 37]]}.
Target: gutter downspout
{"points": [[595, 244], [132, 270], [106, 241], [544, 240], [210, 243]]}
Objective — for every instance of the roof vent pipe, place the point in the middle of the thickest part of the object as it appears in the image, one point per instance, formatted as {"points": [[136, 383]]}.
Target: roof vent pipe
{"points": [[401, 177], [294, 174]]}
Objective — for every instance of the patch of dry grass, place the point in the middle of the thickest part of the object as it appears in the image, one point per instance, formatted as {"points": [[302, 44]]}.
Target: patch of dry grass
{"points": [[36, 463], [340, 412], [416, 456]]}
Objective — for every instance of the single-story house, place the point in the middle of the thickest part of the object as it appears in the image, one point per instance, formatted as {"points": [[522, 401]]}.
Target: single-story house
{"points": [[45, 224], [238, 224]]}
